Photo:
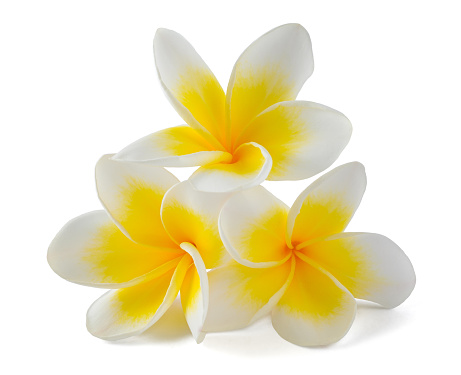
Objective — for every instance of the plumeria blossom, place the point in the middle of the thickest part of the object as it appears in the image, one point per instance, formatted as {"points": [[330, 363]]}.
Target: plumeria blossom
{"points": [[155, 239], [255, 131], [299, 265]]}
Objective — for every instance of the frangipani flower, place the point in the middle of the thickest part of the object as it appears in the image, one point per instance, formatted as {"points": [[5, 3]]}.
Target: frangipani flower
{"points": [[155, 239], [299, 265], [257, 130]]}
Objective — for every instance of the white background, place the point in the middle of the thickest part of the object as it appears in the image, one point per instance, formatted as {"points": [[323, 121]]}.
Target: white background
{"points": [[77, 80]]}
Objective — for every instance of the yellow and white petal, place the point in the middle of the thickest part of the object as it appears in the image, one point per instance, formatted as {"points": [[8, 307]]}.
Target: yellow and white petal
{"points": [[194, 293], [190, 85], [189, 215], [132, 194], [327, 205], [303, 138], [179, 146], [271, 70], [315, 310], [91, 250], [240, 295], [250, 166], [126, 312], [252, 226], [370, 266]]}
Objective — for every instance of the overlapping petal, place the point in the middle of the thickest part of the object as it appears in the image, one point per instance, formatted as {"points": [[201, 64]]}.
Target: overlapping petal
{"points": [[370, 266], [327, 205], [252, 226], [250, 166], [303, 138], [125, 312], [91, 250], [191, 216], [190, 85], [272, 69], [180, 146], [159, 236], [316, 304], [194, 293], [240, 295], [316, 309], [132, 193]]}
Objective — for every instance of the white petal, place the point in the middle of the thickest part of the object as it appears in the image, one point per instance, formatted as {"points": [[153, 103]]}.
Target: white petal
{"points": [[250, 166], [370, 266], [91, 250], [271, 70], [191, 216], [252, 226], [316, 309], [126, 312], [327, 205], [303, 138], [190, 85], [180, 146], [132, 193], [194, 293], [240, 295]]}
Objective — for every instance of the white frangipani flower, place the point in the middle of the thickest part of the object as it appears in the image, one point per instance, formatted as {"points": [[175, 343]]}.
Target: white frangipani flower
{"points": [[156, 238], [257, 130], [299, 265]]}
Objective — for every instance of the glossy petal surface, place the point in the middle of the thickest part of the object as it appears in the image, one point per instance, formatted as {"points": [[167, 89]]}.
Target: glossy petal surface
{"points": [[303, 138], [252, 226], [272, 69], [315, 310], [180, 146], [240, 295], [129, 311], [191, 216], [195, 293], [190, 85], [132, 193], [327, 205], [370, 266], [250, 166], [91, 250]]}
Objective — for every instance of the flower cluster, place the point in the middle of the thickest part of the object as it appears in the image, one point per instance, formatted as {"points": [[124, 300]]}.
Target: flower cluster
{"points": [[227, 246]]}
